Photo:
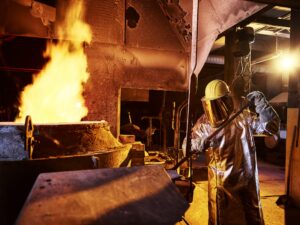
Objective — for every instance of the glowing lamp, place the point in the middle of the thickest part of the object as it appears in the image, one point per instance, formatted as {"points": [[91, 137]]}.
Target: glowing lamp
{"points": [[286, 62]]}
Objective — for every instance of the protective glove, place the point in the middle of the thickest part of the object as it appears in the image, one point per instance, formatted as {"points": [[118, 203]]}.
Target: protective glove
{"points": [[256, 97], [266, 112], [197, 145]]}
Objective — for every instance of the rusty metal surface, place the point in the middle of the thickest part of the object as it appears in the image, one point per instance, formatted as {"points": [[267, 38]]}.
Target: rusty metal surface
{"points": [[153, 29], [178, 14], [106, 19], [113, 67], [136, 195]]}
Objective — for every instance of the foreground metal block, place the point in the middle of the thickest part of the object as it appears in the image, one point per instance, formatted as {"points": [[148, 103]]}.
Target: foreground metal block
{"points": [[136, 195]]}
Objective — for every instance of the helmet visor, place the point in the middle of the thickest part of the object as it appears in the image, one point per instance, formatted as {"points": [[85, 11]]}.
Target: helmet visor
{"points": [[217, 110]]}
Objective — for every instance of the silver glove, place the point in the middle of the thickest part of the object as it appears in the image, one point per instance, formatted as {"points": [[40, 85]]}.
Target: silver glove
{"points": [[266, 112], [262, 107]]}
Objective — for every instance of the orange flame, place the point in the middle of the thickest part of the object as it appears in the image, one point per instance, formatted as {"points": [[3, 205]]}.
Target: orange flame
{"points": [[56, 93]]}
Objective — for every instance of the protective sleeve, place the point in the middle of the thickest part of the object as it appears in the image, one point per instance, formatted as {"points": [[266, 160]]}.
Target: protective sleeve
{"points": [[268, 120], [199, 133]]}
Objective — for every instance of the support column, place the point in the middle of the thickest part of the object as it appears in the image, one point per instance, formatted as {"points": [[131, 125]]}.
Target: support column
{"points": [[229, 59], [293, 116]]}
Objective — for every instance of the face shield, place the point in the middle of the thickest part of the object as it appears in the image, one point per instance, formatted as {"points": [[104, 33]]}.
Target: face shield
{"points": [[217, 110]]}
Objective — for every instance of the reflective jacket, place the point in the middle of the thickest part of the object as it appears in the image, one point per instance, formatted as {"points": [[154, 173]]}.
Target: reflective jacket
{"points": [[233, 185]]}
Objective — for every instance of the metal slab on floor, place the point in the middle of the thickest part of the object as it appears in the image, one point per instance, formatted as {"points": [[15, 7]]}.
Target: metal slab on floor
{"points": [[135, 195]]}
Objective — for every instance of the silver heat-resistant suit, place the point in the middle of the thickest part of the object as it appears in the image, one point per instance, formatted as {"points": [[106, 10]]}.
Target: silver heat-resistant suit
{"points": [[233, 185]]}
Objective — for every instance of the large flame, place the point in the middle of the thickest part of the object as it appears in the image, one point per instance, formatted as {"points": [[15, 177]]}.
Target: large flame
{"points": [[56, 93]]}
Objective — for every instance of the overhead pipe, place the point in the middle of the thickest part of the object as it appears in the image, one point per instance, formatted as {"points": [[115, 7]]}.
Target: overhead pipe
{"points": [[256, 64], [220, 59]]}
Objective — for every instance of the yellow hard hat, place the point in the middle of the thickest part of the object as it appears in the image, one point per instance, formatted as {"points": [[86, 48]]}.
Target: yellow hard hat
{"points": [[216, 89], [217, 103]]}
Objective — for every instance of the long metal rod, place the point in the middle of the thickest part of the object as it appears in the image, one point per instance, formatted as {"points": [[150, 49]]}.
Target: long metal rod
{"points": [[178, 124], [192, 89], [212, 135]]}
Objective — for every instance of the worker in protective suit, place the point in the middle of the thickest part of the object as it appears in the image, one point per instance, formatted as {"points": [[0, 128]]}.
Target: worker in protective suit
{"points": [[233, 185]]}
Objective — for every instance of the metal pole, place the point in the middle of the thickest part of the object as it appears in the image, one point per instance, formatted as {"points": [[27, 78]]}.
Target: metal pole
{"points": [[191, 87]]}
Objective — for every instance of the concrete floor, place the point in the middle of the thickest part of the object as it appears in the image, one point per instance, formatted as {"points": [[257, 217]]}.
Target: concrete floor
{"points": [[271, 187]]}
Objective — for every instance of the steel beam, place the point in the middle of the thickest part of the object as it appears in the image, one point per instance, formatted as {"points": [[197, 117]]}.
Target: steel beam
{"points": [[273, 21], [285, 3]]}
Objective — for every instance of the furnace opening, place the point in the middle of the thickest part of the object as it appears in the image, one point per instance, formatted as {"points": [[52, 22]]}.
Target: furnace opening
{"points": [[150, 115]]}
